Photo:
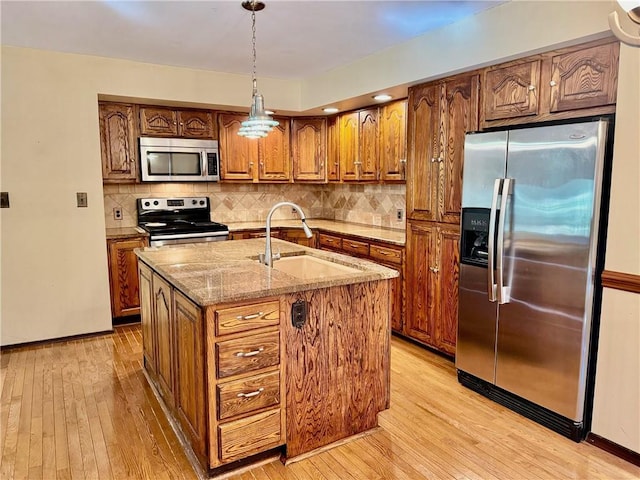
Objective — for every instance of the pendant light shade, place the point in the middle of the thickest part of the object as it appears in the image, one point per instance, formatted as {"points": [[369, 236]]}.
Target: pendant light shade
{"points": [[259, 123]]}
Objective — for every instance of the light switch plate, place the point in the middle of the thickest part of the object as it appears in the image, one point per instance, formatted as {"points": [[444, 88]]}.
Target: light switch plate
{"points": [[82, 199], [4, 199]]}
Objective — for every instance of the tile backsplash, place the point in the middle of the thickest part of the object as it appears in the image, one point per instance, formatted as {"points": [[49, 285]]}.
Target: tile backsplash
{"points": [[366, 204]]}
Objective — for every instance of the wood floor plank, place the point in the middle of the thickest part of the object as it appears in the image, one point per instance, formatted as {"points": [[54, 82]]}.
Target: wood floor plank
{"points": [[83, 409]]}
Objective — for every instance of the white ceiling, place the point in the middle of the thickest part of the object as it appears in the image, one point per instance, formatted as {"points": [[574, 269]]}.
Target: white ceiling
{"points": [[295, 39]]}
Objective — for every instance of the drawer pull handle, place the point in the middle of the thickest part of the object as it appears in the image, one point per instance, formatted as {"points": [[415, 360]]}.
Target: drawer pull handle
{"points": [[384, 253], [354, 246], [249, 317], [251, 353], [251, 394]]}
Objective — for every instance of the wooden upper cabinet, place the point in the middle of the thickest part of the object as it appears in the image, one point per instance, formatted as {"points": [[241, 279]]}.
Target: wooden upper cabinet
{"points": [[368, 144], [333, 147], [161, 122], [393, 141], [167, 122], [460, 117], [195, 124], [238, 155], [424, 145], [348, 142], [585, 78], [440, 115], [309, 149], [118, 145], [274, 157], [512, 91]]}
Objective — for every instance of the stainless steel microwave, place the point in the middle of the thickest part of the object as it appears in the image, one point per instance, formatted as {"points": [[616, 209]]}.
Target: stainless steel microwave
{"points": [[179, 160]]}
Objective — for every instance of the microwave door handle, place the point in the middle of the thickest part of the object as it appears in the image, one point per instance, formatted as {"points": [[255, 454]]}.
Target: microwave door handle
{"points": [[504, 292], [491, 281], [203, 163]]}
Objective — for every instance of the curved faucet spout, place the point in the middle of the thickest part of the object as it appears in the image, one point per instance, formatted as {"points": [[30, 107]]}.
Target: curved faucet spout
{"points": [[268, 258]]}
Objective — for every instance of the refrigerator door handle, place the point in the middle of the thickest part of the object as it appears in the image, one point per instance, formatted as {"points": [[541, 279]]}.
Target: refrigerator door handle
{"points": [[491, 265], [504, 292]]}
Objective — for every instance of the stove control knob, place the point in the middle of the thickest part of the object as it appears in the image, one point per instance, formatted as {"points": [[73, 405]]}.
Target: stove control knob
{"points": [[146, 204], [156, 203], [194, 202], [201, 202]]}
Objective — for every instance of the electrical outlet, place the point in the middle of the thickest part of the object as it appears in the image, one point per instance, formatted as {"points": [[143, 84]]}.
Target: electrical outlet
{"points": [[399, 214], [294, 211], [81, 198], [117, 213]]}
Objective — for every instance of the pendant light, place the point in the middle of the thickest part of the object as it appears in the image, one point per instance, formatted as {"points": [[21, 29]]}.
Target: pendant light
{"points": [[259, 123]]}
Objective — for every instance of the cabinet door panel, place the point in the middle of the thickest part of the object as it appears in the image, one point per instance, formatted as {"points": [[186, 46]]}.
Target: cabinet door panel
{"points": [[146, 317], [460, 117], [349, 146], [393, 141], [238, 155], [273, 154], [586, 78], [368, 144], [424, 149], [195, 124], [421, 299], [190, 394], [163, 307], [448, 275], [309, 140], [123, 272], [161, 122], [512, 91], [118, 142]]}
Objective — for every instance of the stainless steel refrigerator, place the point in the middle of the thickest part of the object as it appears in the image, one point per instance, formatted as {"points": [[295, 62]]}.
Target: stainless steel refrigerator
{"points": [[531, 203]]}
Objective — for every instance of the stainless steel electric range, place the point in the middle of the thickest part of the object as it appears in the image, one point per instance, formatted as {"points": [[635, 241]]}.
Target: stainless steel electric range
{"points": [[179, 220]]}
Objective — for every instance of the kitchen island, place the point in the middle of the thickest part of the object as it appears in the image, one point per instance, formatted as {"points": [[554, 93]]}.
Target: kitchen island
{"points": [[252, 361]]}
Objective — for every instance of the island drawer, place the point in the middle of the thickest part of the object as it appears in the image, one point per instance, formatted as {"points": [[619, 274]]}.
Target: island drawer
{"points": [[247, 317], [355, 247], [329, 241], [249, 435], [246, 354], [249, 394], [392, 255]]}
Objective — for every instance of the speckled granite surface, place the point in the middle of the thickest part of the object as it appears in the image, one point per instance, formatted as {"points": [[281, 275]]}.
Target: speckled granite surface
{"points": [[125, 232], [217, 272], [397, 237]]}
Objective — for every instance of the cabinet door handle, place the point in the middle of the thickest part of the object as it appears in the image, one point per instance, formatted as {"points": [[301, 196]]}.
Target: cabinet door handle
{"points": [[434, 269], [532, 87], [251, 394], [249, 317], [552, 83], [252, 353]]}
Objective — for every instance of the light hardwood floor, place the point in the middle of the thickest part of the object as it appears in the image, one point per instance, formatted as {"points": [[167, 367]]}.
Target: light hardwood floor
{"points": [[83, 409]]}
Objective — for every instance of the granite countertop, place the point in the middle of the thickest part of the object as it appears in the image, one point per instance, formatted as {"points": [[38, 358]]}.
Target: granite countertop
{"points": [[217, 272], [125, 232], [367, 232]]}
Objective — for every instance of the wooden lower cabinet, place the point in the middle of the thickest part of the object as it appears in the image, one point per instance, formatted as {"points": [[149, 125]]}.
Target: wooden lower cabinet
{"points": [[163, 319], [296, 235], [147, 318], [123, 275], [433, 273]]}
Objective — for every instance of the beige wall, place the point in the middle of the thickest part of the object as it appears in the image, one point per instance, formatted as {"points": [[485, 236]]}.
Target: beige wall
{"points": [[616, 414], [54, 268]]}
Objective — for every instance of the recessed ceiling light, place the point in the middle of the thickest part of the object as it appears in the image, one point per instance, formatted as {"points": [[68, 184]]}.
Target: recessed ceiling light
{"points": [[383, 97], [269, 112], [331, 110]]}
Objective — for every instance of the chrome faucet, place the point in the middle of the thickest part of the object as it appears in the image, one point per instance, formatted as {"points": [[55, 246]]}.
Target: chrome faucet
{"points": [[267, 258]]}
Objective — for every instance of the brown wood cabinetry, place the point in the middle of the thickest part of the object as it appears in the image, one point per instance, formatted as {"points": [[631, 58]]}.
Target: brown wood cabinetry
{"points": [[146, 317], [118, 145], [250, 160], [296, 235], [333, 149], [432, 272], [123, 275], [358, 142], [572, 82], [389, 255], [167, 122], [393, 141], [309, 149], [164, 333], [440, 114]]}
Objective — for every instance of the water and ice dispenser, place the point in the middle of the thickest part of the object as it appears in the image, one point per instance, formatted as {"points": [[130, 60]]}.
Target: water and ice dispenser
{"points": [[474, 239]]}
